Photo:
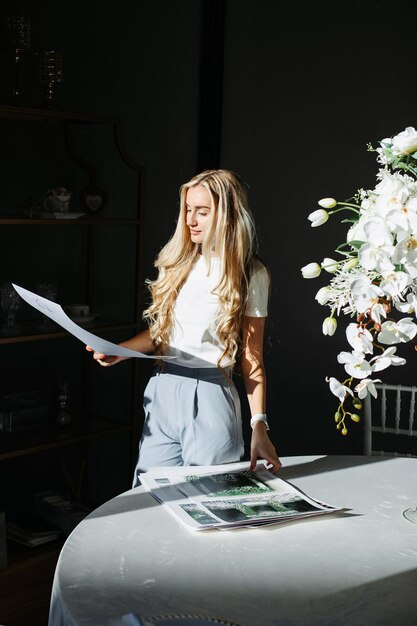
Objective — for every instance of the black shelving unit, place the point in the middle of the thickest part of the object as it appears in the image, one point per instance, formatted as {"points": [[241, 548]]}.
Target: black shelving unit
{"points": [[96, 422]]}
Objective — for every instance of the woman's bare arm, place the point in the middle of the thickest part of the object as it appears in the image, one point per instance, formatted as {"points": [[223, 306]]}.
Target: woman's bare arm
{"points": [[141, 342], [254, 377]]}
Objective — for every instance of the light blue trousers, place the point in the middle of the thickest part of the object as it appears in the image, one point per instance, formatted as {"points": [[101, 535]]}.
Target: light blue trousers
{"points": [[192, 417]]}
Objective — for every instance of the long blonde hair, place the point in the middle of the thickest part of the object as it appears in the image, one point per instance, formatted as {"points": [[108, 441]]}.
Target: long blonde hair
{"points": [[232, 234]]}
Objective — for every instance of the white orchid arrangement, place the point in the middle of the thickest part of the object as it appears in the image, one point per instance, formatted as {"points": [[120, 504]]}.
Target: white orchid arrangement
{"points": [[375, 282]]}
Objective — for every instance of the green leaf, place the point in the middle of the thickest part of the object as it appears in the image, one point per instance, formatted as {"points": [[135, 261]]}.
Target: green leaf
{"points": [[356, 245], [403, 166]]}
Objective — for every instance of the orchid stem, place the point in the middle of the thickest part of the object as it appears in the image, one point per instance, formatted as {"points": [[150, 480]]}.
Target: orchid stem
{"points": [[346, 205]]}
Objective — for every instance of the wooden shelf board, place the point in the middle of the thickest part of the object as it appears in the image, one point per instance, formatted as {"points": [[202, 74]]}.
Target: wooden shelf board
{"points": [[34, 221], [36, 114], [57, 439], [32, 334]]}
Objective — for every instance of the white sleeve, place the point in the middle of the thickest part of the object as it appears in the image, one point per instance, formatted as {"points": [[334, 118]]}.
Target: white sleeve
{"points": [[258, 291]]}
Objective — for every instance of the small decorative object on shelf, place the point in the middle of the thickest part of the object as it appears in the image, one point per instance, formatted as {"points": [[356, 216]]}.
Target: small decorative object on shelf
{"points": [[57, 199], [50, 72], [18, 40], [60, 510], [30, 207], [64, 416], [375, 282], [93, 199], [10, 302], [22, 411], [31, 531]]}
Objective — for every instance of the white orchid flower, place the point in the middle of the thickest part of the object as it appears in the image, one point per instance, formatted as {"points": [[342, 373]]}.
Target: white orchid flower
{"points": [[377, 248], [329, 326], [377, 312], [360, 339], [403, 216], [376, 258], [356, 232], [394, 284], [409, 306], [312, 270], [405, 142], [338, 389], [377, 232], [388, 206], [397, 332], [327, 203], [355, 363], [319, 217], [364, 293], [386, 359], [330, 265], [360, 231], [367, 385], [411, 268], [405, 252]]}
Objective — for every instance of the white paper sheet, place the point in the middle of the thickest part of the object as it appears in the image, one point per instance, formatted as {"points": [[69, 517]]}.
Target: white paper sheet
{"points": [[54, 311]]}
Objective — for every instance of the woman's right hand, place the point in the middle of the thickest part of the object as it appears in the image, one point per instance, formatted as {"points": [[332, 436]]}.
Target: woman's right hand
{"points": [[103, 359]]}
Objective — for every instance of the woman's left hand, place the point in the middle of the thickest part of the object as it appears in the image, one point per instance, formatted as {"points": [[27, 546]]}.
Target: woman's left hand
{"points": [[262, 448]]}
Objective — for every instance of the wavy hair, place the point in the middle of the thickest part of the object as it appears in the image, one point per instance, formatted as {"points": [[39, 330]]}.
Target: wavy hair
{"points": [[232, 234]]}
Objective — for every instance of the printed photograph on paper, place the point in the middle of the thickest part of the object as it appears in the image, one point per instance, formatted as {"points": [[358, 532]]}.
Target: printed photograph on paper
{"points": [[250, 509], [199, 515], [230, 484]]}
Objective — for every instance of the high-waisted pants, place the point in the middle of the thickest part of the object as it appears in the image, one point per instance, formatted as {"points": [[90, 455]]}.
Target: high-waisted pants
{"points": [[192, 417]]}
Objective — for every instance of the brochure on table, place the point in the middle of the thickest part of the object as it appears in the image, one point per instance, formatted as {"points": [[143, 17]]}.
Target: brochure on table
{"points": [[55, 312], [229, 496]]}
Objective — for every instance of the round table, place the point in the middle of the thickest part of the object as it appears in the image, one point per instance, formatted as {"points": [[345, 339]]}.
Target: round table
{"points": [[355, 567]]}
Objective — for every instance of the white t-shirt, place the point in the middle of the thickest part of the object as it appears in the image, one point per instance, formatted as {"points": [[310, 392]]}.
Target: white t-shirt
{"points": [[194, 340]]}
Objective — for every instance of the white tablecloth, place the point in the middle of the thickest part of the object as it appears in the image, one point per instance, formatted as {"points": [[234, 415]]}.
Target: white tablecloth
{"points": [[357, 567]]}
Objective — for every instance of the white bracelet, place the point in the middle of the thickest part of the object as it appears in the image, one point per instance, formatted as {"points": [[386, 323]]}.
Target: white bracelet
{"points": [[259, 417]]}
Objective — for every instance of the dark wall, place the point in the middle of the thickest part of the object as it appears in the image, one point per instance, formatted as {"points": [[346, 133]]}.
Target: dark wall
{"points": [[303, 93]]}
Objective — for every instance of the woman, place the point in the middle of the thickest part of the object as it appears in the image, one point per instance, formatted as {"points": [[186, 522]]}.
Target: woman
{"points": [[207, 313]]}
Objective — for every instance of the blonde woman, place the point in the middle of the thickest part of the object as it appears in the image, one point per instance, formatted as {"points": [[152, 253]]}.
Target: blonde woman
{"points": [[208, 310]]}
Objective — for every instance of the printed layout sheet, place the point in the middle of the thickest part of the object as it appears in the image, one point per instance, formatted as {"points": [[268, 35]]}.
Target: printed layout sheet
{"points": [[55, 312], [229, 496]]}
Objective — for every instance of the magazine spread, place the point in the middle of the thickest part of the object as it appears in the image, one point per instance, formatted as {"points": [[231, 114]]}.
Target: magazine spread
{"points": [[229, 496]]}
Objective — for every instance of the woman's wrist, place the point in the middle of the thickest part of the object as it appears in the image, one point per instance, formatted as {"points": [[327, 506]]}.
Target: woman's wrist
{"points": [[259, 417]]}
